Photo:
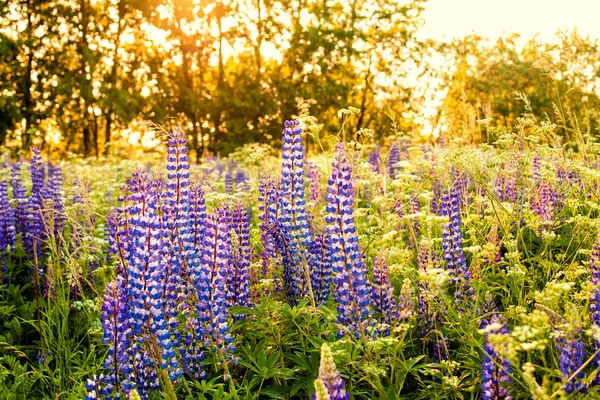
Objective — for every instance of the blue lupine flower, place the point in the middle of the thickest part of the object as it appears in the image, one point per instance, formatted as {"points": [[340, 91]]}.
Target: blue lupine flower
{"points": [[594, 302], [238, 277], [8, 221], [228, 182], [453, 254], [352, 291], [495, 368], [19, 194], [375, 159], [431, 310], [35, 231], [268, 197], [571, 359], [210, 281], [116, 324], [293, 216], [382, 295], [320, 267], [393, 160]]}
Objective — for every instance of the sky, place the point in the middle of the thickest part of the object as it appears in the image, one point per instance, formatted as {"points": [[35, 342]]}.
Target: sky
{"points": [[448, 19]]}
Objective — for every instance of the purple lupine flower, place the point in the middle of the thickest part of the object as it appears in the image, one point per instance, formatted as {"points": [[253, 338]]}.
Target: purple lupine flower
{"points": [[352, 291], [228, 182], [571, 359], [55, 186], [496, 369], [320, 267], [487, 310], [382, 295], [535, 167], [594, 302], [197, 212], [330, 376], [210, 280], [241, 181], [506, 184], [406, 305], [8, 221], [238, 278], [431, 309], [19, 194], [453, 254], [436, 205], [146, 278], [268, 197], [116, 324], [35, 231], [316, 191], [375, 159], [545, 204], [293, 216], [280, 239], [393, 159]]}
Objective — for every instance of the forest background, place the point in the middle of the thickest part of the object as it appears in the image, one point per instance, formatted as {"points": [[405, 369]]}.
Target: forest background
{"points": [[91, 77]]}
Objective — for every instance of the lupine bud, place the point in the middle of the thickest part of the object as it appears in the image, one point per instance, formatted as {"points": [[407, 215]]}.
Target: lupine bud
{"points": [[329, 375], [321, 392]]}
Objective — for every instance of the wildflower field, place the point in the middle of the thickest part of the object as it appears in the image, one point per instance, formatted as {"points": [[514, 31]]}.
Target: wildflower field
{"points": [[355, 270]]}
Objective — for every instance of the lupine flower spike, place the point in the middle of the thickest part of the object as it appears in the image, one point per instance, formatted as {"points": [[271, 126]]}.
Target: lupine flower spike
{"points": [[352, 291], [330, 376], [496, 368]]}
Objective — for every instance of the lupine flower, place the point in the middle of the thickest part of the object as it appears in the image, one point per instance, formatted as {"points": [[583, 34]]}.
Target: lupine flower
{"points": [[352, 291], [321, 392], [238, 277], [435, 199], [283, 242], [8, 222], [431, 309], [545, 203], [320, 267], [456, 263], [571, 359], [382, 295], [330, 376], [117, 331], [241, 181], [19, 194], [210, 281], [594, 301], [488, 310], [228, 182], [393, 159], [406, 305], [506, 186], [375, 159], [268, 196], [293, 216], [55, 183], [35, 231], [316, 191], [496, 368]]}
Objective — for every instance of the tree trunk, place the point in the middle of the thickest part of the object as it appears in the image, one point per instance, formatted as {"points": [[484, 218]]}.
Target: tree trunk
{"points": [[112, 79]]}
